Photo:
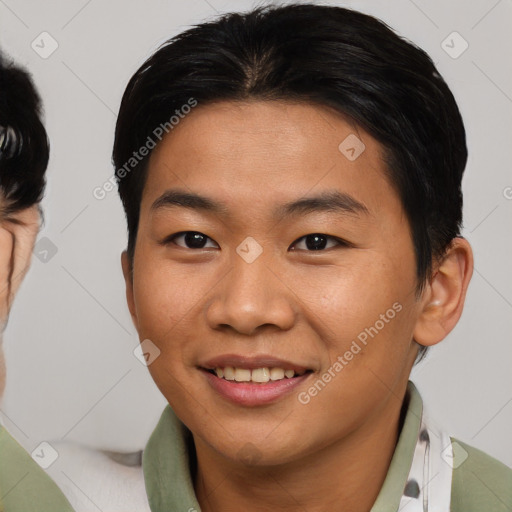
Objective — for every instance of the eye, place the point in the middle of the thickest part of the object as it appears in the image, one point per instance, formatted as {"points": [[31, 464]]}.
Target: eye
{"points": [[319, 241], [191, 239]]}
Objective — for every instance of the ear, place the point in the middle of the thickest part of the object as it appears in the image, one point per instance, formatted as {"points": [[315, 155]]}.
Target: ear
{"points": [[17, 237], [443, 298], [128, 279]]}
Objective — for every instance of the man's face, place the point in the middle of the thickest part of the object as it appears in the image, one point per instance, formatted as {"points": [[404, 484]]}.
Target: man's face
{"points": [[215, 298]]}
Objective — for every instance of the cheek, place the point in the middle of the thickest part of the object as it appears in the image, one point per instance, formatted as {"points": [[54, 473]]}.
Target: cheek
{"points": [[349, 298], [163, 297], [365, 315], [168, 301], [165, 305]]}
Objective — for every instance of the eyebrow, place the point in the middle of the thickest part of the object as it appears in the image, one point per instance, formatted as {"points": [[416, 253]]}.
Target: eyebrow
{"points": [[176, 197], [330, 201]]}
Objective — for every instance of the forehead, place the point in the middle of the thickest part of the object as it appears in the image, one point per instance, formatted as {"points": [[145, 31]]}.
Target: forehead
{"points": [[254, 153]]}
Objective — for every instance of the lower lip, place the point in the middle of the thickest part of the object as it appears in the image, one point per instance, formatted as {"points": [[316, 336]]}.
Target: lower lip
{"points": [[252, 394]]}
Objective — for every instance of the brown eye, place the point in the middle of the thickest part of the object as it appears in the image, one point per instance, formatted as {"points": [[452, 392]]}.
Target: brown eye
{"points": [[319, 242], [191, 239]]}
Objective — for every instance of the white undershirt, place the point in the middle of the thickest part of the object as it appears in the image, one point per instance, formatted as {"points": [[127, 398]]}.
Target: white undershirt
{"points": [[92, 481]]}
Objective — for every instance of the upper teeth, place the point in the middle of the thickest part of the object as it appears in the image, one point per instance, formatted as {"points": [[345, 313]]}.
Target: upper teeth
{"points": [[256, 375]]}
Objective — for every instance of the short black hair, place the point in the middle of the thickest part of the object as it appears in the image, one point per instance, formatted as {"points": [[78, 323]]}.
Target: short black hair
{"points": [[324, 55], [24, 146]]}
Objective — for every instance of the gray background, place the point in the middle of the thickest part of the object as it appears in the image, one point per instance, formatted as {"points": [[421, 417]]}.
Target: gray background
{"points": [[69, 344]]}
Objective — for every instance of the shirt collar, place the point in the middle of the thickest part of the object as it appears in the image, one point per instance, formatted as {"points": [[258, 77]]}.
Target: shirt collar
{"points": [[169, 452], [393, 487]]}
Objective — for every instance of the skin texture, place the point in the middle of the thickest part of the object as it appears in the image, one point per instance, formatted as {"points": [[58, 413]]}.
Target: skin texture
{"points": [[299, 305], [17, 238]]}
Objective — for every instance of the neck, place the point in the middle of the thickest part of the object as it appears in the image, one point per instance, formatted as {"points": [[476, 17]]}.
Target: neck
{"points": [[346, 475]]}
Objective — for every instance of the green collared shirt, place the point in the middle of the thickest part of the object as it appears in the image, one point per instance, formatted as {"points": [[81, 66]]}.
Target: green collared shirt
{"points": [[24, 486], [479, 483]]}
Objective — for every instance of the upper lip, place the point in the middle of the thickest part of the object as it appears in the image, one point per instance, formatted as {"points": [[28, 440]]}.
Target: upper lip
{"points": [[251, 362]]}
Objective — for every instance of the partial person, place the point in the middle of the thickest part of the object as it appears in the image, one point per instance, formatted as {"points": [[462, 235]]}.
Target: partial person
{"points": [[24, 152]]}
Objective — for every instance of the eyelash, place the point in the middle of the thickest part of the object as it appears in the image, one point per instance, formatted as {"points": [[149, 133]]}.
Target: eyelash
{"points": [[339, 241]]}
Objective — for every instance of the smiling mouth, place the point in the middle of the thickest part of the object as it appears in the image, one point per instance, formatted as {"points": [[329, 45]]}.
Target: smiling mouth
{"points": [[255, 375]]}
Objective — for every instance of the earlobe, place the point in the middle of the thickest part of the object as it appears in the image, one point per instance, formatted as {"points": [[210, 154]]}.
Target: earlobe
{"points": [[444, 296], [128, 279]]}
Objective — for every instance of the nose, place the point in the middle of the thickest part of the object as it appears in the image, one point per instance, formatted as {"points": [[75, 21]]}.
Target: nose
{"points": [[249, 297]]}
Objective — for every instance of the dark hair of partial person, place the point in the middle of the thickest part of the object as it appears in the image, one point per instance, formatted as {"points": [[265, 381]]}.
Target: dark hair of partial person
{"points": [[329, 56], [24, 147]]}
